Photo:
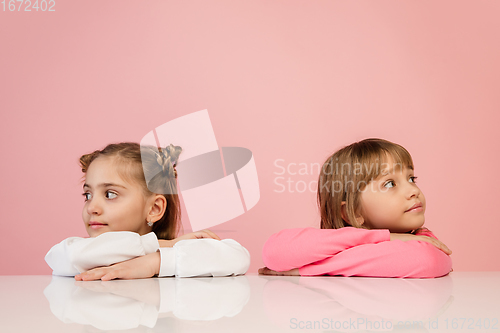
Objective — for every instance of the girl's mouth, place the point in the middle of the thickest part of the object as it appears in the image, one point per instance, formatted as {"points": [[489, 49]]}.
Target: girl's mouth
{"points": [[96, 225], [415, 208]]}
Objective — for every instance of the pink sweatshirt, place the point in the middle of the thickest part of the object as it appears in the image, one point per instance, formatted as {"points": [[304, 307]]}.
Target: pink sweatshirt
{"points": [[352, 251]]}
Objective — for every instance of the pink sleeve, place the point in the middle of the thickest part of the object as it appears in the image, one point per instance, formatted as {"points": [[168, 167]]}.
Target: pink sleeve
{"points": [[411, 259], [293, 248]]}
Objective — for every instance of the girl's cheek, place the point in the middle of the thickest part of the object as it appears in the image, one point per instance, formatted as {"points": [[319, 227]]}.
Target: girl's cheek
{"points": [[371, 187]]}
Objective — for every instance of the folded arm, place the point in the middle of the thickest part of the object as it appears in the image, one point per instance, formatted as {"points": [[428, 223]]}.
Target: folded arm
{"points": [[353, 252], [204, 257], [293, 248], [75, 255], [187, 258], [411, 259]]}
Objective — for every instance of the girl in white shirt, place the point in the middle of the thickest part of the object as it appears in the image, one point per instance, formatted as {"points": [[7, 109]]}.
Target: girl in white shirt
{"points": [[133, 221]]}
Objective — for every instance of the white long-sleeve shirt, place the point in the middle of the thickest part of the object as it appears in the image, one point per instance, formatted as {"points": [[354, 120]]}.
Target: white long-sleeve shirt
{"points": [[187, 258]]}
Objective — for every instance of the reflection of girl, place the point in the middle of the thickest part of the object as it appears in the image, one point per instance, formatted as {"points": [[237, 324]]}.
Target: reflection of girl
{"points": [[128, 304], [372, 213], [125, 217], [349, 304]]}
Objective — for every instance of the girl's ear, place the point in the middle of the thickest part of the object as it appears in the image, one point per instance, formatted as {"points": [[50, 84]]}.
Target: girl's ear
{"points": [[344, 213], [359, 219], [158, 206]]}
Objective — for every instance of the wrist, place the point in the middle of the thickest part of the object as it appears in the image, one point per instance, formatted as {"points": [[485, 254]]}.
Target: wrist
{"points": [[166, 243], [394, 236], [157, 263]]}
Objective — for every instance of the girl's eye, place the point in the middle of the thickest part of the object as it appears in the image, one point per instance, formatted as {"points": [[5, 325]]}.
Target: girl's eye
{"points": [[389, 184], [413, 179], [87, 196], [111, 195]]}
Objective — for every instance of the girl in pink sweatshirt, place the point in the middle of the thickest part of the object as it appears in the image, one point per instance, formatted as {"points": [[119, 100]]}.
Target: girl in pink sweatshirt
{"points": [[372, 213]]}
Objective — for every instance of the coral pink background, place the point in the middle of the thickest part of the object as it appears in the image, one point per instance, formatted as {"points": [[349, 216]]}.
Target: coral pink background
{"points": [[290, 80]]}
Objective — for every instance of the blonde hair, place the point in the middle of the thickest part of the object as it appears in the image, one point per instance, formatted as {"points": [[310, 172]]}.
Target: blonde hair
{"points": [[130, 167], [347, 172]]}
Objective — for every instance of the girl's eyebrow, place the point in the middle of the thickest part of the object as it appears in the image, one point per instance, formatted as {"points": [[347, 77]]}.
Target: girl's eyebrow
{"points": [[104, 185]]}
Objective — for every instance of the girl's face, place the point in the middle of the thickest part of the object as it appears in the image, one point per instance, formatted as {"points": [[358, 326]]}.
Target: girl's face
{"points": [[387, 202], [111, 203]]}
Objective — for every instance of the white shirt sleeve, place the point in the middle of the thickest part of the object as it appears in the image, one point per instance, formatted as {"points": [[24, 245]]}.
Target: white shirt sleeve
{"points": [[75, 255], [204, 257]]}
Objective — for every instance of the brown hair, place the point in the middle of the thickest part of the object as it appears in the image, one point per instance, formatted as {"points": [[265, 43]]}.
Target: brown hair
{"points": [[131, 164], [347, 172]]}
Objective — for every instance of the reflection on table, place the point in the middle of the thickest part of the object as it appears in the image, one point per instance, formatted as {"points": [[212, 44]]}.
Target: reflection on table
{"points": [[251, 303], [127, 304], [350, 304]]}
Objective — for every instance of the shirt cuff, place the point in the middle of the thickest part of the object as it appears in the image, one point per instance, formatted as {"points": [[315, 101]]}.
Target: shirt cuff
{"points": [[150, 243], [168, 261]]}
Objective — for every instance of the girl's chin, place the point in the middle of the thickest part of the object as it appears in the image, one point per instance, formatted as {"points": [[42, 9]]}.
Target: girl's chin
{"points": [[95, 233]]}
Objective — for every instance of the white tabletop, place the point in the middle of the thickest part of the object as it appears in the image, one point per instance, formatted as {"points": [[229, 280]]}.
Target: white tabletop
{"points": [[459, 302]]}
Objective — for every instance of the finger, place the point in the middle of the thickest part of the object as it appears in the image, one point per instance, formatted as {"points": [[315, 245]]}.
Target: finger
{"points": [[82, 276], [420, 230], [443, 247], [111, 276], [85, 277], [267, 271], [446, 250], [200, 234], [204, 234], [440, 245], [437, 243], [121, 272], [125, 272], [212, 234], [431, 240], [88, 277], [94, 274]]}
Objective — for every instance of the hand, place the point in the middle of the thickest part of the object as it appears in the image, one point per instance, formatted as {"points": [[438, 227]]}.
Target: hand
{"points": [[408, 237], [420, 230], [267, 271], [138, 268], [193, 235]]}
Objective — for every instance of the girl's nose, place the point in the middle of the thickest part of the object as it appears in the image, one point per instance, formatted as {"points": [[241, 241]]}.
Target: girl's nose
{"points": [[94, 208], [413, 191]]}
